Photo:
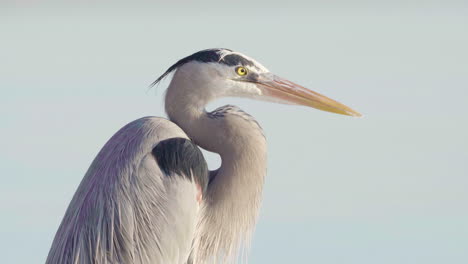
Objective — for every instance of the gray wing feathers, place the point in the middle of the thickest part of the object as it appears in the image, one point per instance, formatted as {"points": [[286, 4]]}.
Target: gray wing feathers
{"points": [[125, 210]]}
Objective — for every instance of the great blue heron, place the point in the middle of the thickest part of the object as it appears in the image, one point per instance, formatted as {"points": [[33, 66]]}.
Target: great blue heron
{"points": [[148, 196]]}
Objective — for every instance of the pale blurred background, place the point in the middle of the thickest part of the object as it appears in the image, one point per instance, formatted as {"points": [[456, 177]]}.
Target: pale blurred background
{"points": [[387, 188]]}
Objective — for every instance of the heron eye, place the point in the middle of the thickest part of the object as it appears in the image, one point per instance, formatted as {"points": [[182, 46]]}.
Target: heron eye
{"points": [[241, 71]]}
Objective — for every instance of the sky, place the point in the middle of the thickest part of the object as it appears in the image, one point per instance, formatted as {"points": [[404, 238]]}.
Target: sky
{"points": [[390, 187]]}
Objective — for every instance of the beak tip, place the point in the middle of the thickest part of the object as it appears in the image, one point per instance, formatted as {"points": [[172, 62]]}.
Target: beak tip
{"points": [[349, 112], [356, 114]]}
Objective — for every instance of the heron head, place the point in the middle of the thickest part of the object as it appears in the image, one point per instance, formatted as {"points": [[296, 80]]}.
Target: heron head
{"points": [[216, 73]]}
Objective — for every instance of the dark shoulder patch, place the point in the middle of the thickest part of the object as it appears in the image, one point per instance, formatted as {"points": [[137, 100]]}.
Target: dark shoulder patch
{"points": [[182, 157]]}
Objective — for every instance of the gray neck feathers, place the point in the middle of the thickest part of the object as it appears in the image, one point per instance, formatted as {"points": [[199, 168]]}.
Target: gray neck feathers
{"points": [[230, 208], [234, 194]]}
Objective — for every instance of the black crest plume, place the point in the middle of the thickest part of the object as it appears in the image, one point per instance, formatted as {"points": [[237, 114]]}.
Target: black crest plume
{"points": [[208, 55]]}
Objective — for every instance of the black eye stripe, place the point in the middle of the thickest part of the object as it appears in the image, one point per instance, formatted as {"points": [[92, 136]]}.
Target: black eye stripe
{"points": [[211, 56], [235, 59]]}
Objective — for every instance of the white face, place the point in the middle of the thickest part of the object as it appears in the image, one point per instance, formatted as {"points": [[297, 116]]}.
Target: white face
{"points": [[238, 81], [222, 80]]}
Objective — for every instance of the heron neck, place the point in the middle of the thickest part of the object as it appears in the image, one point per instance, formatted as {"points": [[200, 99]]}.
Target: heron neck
{"points": [[232, 202], [234, 194]]}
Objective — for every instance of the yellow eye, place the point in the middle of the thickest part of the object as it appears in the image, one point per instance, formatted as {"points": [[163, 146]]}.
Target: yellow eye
{"points": [[241, 71]]}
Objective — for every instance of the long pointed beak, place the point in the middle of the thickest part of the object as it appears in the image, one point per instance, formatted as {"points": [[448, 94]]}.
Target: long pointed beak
{"points": [[289, 92]]}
